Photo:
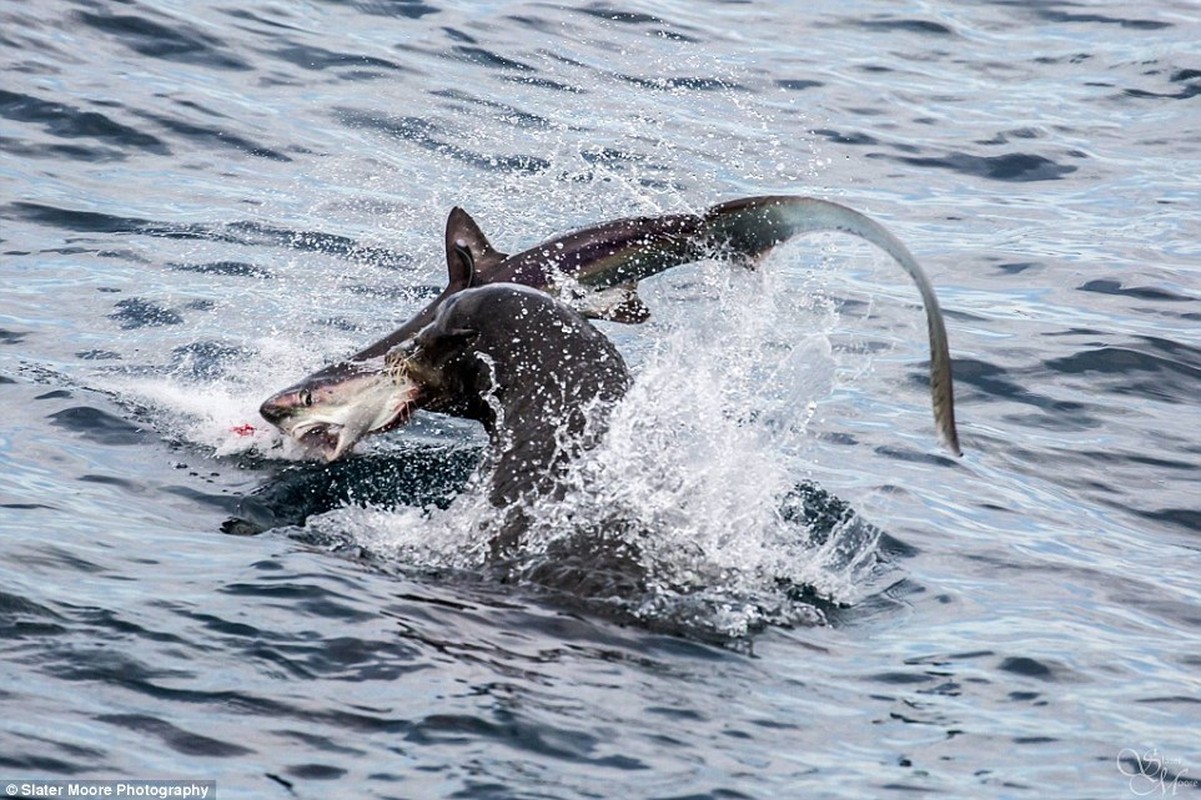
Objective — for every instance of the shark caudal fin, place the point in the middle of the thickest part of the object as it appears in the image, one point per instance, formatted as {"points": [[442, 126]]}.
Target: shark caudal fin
{"points": [[463, 232], [753, 225]]}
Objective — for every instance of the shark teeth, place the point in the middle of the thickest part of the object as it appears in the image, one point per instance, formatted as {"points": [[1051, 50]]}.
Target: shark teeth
{"points": [[321, 437]]}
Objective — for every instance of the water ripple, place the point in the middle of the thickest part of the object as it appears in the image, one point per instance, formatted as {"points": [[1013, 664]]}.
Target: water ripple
{"points": [[59, 119], [1008, 167], [175, 42], [181, 741], [243, 232]]}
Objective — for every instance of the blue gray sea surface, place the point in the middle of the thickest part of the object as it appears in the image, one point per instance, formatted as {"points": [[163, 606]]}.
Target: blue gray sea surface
{"points": [[201, 202]]}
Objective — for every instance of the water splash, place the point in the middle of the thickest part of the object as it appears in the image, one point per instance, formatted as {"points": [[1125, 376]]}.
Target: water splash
{"points": [[700, 484], [209, 397]]}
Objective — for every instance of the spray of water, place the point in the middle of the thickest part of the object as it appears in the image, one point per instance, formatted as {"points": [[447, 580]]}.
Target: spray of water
{"points": [[696, 479], [212, 401]]}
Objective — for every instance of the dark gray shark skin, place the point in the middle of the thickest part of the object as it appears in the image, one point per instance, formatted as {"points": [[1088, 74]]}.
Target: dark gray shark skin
{"points": [[596, 270], [538, 376], [543, 382]]}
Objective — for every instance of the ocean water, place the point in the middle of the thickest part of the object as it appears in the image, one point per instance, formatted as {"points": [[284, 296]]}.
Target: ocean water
{"points": [[201, 202]]}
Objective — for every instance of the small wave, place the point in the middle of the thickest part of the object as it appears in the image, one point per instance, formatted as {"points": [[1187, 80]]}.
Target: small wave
{"points": [[99, 426], [244, 232], [1007, 167], [136, 312], [1055, 15], [176, 41], [1149, 367], [65, 121], [213, 136], [239, 269], [923, 26], [425, 134]]}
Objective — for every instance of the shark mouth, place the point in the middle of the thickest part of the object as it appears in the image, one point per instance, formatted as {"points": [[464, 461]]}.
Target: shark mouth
{"points": [[332, 440], [328, 419], [322, 438]]}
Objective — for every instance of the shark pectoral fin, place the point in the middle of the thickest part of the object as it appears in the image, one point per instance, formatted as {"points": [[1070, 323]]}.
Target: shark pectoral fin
{"points": [[462, 233], [616, 304], [630, 310]]}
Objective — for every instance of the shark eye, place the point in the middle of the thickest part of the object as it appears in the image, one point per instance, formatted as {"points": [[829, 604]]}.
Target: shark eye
{"points": [[306, 397]]}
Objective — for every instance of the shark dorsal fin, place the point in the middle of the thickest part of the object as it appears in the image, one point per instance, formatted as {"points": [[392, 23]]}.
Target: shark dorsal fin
{"points": [[462, 234]]}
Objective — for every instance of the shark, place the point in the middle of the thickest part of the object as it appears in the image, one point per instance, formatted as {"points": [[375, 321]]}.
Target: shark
{"points": [[596, 271]]}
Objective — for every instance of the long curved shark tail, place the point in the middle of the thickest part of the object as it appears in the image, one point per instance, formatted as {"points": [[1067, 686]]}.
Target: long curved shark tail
{"points": [[753, 225]]}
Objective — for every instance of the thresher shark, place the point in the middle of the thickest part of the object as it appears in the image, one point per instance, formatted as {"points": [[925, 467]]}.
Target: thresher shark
{"points": [[594, 270]]}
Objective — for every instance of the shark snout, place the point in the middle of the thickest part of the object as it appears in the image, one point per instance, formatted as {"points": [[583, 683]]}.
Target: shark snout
{"points": [[278, 407]]}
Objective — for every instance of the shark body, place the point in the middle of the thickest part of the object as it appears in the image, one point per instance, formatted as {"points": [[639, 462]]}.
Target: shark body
{"points": [[595, 270]]}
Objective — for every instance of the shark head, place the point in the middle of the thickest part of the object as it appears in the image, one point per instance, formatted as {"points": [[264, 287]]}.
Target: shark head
{"points": [[331, 410]]}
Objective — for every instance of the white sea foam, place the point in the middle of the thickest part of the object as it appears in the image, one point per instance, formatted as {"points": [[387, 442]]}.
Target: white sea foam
{"points": [[217, 412]]}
